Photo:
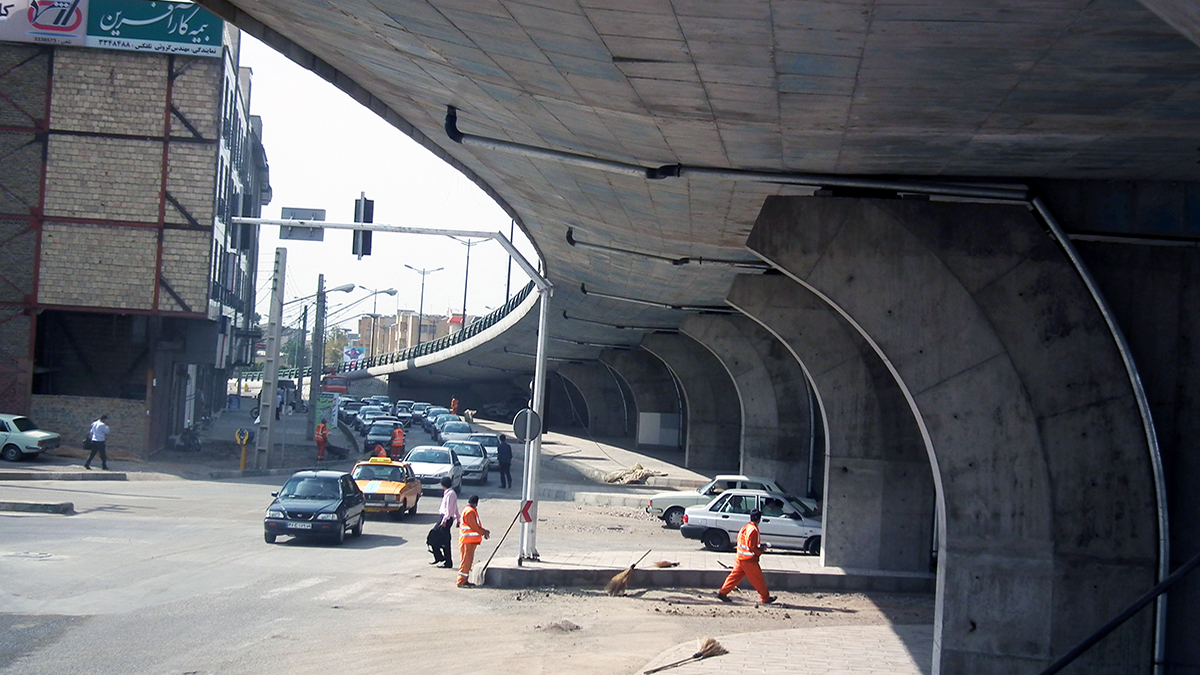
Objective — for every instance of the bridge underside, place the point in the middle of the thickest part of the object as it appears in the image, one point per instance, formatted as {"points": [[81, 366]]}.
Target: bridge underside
{"points": [[840, 260]]}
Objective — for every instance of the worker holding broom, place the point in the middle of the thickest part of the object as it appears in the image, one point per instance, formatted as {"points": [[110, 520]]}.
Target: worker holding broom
{"points": [[470, 535], [749, 550]]}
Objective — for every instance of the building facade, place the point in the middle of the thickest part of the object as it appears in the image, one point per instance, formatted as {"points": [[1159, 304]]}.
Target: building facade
{"points": [[127, 291]]}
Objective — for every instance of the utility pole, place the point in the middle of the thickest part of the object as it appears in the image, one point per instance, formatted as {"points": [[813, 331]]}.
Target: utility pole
{"points": [[264, 438], [298, 362], [318, 357]]}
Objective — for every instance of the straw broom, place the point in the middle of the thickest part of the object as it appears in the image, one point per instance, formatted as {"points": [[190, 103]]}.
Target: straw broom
{"points": [[705, 647], [618, 584]]}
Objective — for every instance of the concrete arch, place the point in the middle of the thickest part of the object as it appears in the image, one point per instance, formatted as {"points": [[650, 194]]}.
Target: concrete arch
{"points": [[609, 413], [777, 420], [714, 418], [655, 396], [1032, 428], [879, 495]]}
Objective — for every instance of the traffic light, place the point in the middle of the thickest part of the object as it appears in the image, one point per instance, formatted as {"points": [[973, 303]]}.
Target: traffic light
{"points": [[364, 212]]}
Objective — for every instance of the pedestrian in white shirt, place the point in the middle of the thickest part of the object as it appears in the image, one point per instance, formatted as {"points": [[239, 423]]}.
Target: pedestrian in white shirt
{"points": [[448, 514], [97, 435]]}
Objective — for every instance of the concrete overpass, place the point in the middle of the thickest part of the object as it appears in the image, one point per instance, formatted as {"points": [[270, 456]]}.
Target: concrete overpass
{"points": [[946, 248]]}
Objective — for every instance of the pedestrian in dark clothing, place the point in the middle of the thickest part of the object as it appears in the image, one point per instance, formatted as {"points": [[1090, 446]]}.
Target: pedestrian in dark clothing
{"points": [[97, 435], [504, 454]]}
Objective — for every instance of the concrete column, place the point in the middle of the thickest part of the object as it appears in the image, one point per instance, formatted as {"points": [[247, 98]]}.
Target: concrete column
{"points": [[879, 495], [656, 399], [1038, 450], [777, 431], [714, 417], [609, 414]]}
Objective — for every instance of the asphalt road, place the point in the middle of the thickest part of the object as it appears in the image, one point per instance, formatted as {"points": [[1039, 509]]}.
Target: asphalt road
{"points": [[173, 576]]}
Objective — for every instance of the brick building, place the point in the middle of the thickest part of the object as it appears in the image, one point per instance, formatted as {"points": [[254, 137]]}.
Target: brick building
{"points": [[124, 288]]}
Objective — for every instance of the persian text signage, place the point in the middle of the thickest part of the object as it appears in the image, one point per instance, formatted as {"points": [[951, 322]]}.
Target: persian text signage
{"points": [[130, 25]]}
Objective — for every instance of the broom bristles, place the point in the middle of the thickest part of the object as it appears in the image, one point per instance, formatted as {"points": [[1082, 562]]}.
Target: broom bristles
{"points": [[617, 585], [666, 563], [706, 647]]}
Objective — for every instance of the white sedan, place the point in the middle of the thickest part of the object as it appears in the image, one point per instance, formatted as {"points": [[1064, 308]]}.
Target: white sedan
{"points": [[473, 458], [787, 523], [432, 463]]}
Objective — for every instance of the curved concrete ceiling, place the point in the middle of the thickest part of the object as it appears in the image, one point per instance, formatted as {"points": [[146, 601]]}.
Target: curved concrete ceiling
{"points": [[1015, 90]]}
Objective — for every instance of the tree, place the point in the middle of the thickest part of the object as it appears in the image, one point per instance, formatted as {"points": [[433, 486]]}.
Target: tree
{"points": [[335, 340]]}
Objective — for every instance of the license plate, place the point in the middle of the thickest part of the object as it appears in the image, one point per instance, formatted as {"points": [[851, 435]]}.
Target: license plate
{"points": [[299, 526]]}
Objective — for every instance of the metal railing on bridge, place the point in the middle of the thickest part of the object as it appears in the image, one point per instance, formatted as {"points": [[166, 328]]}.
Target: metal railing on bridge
{"points": [[424, 349]]}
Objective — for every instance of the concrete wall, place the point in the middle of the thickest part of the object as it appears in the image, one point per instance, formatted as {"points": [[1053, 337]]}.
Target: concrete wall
{"points": [[1155, 293], [777, 420], [652, 386], [1038, 448], [714, 417], [878, 494], [609, 414]]}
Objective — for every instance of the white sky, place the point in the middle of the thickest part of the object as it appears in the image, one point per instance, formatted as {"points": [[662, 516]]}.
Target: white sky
{"points": [[323, 149]]}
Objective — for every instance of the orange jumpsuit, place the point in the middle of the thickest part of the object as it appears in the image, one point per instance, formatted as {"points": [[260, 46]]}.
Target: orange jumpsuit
{"points": [[379, 451], [746, 565], [321, 436], [454, 406], [398, 442], [470, 535]]}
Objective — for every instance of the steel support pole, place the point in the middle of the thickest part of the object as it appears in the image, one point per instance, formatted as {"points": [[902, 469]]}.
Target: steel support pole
{"points": [[264, 435], [533, 454]]}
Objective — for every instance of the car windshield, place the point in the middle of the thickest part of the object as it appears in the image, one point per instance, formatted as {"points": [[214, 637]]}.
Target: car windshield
{"points": [[434, 412], [457, 428], [310, 488], [368, 472], [484, 439], [429, 456], [24, 424], [467, 449], [801, 507], [380, 430]]}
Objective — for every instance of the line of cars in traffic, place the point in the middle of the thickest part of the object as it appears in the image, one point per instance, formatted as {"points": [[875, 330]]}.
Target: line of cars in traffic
{"points": [[329, 504]]}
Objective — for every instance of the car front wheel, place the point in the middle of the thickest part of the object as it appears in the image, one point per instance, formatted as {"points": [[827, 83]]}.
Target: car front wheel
{"points": [[716, 540], [340, 537], [12, 453], [357, 531], [414, 506], [674, 517]]}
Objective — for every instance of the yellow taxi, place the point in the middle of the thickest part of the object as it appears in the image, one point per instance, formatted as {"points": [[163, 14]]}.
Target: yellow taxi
{"points": [[390, 486]]}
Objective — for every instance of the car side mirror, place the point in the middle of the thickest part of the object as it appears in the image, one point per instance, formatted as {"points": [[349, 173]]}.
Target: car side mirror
{"points": [[274, 494]]}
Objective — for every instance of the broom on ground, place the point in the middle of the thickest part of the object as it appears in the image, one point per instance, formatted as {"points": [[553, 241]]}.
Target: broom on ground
{"points": [[705, 647], [618, 584]]}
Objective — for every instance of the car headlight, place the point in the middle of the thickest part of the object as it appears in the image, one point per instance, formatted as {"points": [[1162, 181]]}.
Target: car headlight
{"points": [[275, 513], [327, 516]]}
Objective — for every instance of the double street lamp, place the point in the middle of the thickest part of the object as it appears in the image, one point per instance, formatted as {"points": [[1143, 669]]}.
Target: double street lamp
{"points": [[421, 311], [374, 313]]}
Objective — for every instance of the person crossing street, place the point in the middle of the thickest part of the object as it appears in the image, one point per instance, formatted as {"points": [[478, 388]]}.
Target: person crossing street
{"points": [[470, 535], [749, 549]]}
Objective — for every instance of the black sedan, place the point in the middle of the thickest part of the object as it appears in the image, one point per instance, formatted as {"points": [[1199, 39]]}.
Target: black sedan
{"points": [[316, 504]]}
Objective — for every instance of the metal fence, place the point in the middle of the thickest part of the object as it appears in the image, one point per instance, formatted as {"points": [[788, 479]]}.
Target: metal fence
{"points": [[424, 349]]}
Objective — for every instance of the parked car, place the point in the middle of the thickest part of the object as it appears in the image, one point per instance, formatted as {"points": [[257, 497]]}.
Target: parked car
{"points": [[438, 422], [456, 431], [390, 486], [380, 433], [669, 506], [491, 445], [20, 438], [431, 463], [419, 408], [348, 410], [473, 458], [402, 406], [316, 504], [787, 523]]}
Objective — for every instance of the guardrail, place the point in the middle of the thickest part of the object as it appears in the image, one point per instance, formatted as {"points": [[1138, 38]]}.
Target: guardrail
{"points": [[424, 349]]}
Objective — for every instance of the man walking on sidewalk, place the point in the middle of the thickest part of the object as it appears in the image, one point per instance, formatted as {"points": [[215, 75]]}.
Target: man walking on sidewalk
{"points": [[97, 435], [749, 550], [470, 535], [504, 455]]}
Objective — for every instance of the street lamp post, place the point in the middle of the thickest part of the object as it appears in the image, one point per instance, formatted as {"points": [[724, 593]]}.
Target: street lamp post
{"points": [[374, 315], [318, 349], [421, 310], [466, 274]]}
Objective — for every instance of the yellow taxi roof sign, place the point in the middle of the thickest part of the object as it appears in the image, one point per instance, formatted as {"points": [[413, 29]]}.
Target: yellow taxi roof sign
{"points": [[380, 460]]}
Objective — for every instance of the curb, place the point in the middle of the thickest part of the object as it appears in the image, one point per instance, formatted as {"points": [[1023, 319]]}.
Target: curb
{"points": [[63, 475], [64, 508], [530, 575]]}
